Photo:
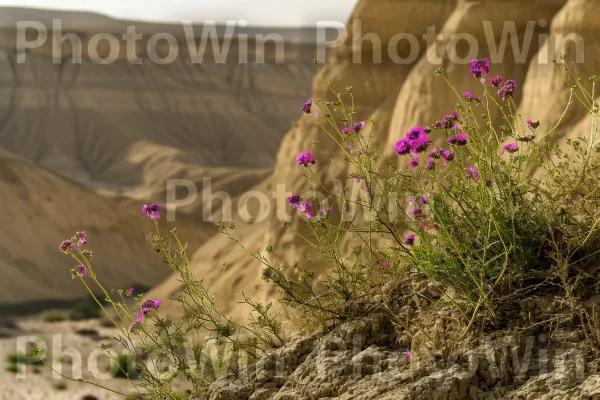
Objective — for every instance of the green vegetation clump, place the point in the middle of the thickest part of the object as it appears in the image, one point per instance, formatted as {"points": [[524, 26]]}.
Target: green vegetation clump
{"points": [[54, 316], [85, 310], [13, 368], [21, 358]]}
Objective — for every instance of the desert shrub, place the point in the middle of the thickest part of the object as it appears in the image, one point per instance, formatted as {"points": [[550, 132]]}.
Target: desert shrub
{"points": [[54, 316], [85, 310], [21, 358], [13, 368], [464, 213]]}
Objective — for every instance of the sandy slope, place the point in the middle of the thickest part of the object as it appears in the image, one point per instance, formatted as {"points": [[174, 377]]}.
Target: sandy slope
{"points": [[40, 209]]}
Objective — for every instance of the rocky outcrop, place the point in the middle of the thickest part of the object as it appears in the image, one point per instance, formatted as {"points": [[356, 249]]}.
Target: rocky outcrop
{"points": [[361, 360]]}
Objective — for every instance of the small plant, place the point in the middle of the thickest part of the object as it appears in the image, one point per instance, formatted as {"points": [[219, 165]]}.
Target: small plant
{"points": [[20, 358], [13, 368], [54, 316], [124, 367], [85, 310]]}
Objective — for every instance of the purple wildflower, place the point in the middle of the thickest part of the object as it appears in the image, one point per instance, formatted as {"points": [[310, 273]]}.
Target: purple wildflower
{"points": [[497, 81], [306, 208], [480, 68], [532, 124], [330, 209], [305, 159], [424, 199], [507, 90], [152, 210], [408, 356], [346, 130], [415, 212], [307, 106], [358, 126], [415, 133], [358, 180], [469, 97], [149, 305], [413, 163], [295, 200], [427, 130], [459, 140], [448, 121], [448, 155], [409, 240], [510, 147], [130, 290], [403, 146], [66, 246], [139, 317], [81, 238], [436, 153], [385, 265], [420, 145], [474, 173], [80, 271], [430, 165]]}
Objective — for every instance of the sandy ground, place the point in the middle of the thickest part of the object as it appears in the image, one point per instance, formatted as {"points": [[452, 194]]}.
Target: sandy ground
{"points": [[59, 337]]}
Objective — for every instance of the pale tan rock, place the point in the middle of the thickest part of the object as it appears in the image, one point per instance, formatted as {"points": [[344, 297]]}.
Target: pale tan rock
{"points": [[426, 98], [575, 31]]}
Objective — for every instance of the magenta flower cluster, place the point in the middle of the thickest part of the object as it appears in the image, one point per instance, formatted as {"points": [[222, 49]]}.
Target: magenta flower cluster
{"points": [[506, 89], [358, 126], [448, 122], [78, 240], [459, 140], [415, 141], [296, 202], [473, 173], [305, 159], [152, 210], [510, 148], [469, 97], [307, 107], [480, 68], [145, 308], [80, 270]]}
